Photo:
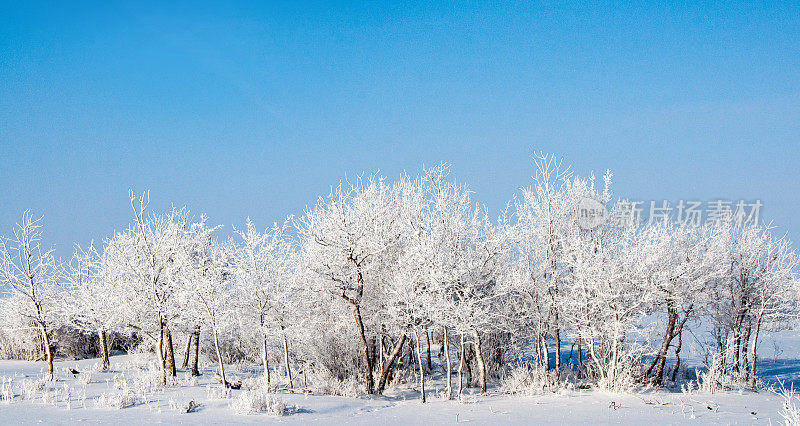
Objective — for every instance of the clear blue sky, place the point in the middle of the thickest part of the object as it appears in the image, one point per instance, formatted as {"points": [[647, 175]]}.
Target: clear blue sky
{"points": [[255, 109]]}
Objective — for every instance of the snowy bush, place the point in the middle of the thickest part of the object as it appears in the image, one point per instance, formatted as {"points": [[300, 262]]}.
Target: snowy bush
{"points": [[32, 388], [188, 379], [185, 407], [529, 380], [6, 390], [217, 392], [626, 377], [323, 382], [119, 399], [85, 378], [256, 402], [147, 380], [715, 378], [790, 411]]}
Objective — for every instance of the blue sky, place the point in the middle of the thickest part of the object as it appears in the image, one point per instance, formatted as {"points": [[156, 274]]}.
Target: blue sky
{"points": [[255, 109]]}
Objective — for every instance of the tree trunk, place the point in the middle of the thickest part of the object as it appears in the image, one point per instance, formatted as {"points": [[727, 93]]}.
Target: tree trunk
{"points": [[558, 349], [101, 335], [381, 357], [410, 359], [721, 348], [754, 351], [446, 346], [737, 336], [461, 361], [420, 366], [187, 352], [195, 358], [479, 359], [545, 354], [265, 360], [170, 353], [373, 354], [365, 350], [219, 359], [428, 340], [160, 351], [386, 368], [48, 351], [286, 361], [468, 364], [745, 342], [661, 360], [678, 355]]}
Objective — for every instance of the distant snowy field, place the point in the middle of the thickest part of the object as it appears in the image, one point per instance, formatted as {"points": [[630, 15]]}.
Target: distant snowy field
{"points": [[71, 400]]}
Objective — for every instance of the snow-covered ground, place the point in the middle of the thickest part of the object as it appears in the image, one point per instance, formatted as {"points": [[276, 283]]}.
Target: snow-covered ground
{"points": [[72, 400]]}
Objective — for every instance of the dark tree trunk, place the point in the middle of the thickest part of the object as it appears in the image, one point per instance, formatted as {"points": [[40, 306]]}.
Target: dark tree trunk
{"points": [[745, 342], [286, 364], [265, 360], [48, 350], [737, 333], [370, 386], [448, 367], [754, 351], [387, 367], [661, 359], [428, 340], [160, 351], [420, 366], [678, 355], [187, 352], [558, 349], [480, 361], [195, 358], [170, 358], [101, 335]]}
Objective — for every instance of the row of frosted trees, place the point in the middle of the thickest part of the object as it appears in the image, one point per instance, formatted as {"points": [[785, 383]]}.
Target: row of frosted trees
{"points": [[366, 279]]}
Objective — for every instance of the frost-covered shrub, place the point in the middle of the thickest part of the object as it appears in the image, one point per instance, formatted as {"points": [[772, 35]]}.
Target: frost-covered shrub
{"points": [[258, 382], [217, 392], [147, 380], [71, 342], [6, 390], [139, 362], [20, 344], [85, 378], [529, 380], [324, 382], [232, 348], [258, 401], [31, 389], [625, 377], [715, 378], [184, 407], [120, 399], [790, 412], [403, 376], [188, 379]]}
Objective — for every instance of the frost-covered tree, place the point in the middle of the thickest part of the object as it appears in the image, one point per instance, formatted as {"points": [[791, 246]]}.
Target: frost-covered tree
{"points": [[680, 263], [268, 294], [141, 263], [455, 254], [545, 217], [31, 273], [758, 289], [91, 302], [344, 237], [206, 280]]}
